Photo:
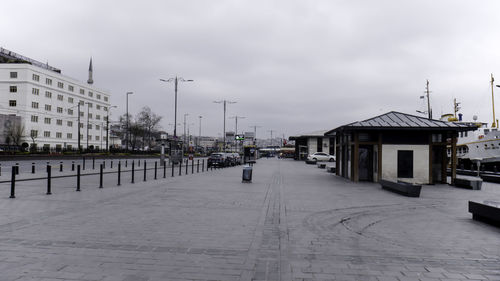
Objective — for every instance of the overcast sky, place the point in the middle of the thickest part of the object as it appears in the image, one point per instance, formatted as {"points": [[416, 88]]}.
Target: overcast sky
{"points": [[291, 66]]}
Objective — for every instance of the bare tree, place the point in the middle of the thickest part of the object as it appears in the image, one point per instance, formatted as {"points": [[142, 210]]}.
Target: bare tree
{"points": [[150, 122], [15, 133]]}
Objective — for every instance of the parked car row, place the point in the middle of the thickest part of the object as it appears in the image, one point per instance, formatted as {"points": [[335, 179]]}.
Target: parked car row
{"points": [[320, 156], [224, 159]]}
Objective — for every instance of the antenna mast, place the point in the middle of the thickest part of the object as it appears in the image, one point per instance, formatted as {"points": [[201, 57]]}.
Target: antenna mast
{"points": [[494, 125], [428, 100]]}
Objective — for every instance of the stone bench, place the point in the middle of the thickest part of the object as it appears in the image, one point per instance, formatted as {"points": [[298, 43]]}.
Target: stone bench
{"points": [[488, 211], [321, 165], [404, 188], [490, 177], [474, 184]]}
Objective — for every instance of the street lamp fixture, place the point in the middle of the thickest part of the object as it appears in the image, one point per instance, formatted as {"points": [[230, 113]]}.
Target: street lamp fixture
{"points": [[176, 81], [127, 131], [107, 127], [224, 131]]}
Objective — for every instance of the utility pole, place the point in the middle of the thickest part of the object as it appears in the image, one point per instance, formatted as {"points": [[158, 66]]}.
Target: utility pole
{"points": [[199, 132], [184, 138], [429, 111], [127, 132], [224, 135]]}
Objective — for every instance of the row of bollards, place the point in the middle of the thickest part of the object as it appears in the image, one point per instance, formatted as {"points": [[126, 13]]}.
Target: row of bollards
{"points": [[15, 172]]}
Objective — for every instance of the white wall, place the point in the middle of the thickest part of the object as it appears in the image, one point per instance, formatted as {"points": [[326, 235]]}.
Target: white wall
{"points": [[420, 163], [312, 145]]}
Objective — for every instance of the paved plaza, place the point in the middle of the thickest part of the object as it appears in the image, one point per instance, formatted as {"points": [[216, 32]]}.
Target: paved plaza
{"points": [[293, 222]]}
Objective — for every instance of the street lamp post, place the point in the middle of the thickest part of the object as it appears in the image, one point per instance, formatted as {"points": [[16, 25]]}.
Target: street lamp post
{"points": [[176, 80], [107, 126], [236, 128], [224, 131], [255, 133], [127, 132], [199, 131], [184, 136]]}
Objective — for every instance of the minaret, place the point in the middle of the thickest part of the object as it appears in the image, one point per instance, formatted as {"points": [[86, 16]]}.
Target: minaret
{"points": [[90, 81]]}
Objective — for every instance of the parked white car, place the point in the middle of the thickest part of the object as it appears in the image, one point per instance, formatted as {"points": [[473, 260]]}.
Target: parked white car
{"points": [[321, 156]]}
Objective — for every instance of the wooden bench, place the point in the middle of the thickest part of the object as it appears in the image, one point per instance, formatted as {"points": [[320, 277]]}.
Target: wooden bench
{"points": [[321, 165], [404, 188], [474, 184], [488, 211]]}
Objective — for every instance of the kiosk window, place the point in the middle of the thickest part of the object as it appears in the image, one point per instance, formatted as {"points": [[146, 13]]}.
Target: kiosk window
{"points": [[405, 163]]}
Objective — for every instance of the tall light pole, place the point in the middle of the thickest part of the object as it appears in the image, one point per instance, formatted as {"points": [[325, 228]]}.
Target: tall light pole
{"points": [[127, 132], [271, 136], [255, 133], [236, 128], [224, 135], [184, 137], [199, 130], [107, 126], [88, 110], [176, 80]]}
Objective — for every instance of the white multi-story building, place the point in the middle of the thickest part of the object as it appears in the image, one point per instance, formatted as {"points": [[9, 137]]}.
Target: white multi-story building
{"points": [[47, 102]]}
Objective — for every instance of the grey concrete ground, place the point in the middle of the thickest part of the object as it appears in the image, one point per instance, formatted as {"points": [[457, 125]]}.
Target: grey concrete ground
{"points": [[293, 222]]}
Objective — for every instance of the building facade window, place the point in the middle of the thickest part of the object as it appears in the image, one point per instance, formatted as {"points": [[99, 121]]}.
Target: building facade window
{"points": [[71, 88], [48, 107], [90, 137], [82, 102], [35, 91], [59, 110], [69, 135], [46, 134], [89, 104], [91, 94], [105, 98], [81, 113], [105, 108], [13, 89], [59, 122], [13, 74], [34, 104], [90, 115], [34, 118], [97, 127], [34, 133], [60, 85], [70, 111], [46, 120], [70, 123], [70, 99], [90, 126], [98, 117], [48, 95], [58, 135], [36, 77], [96, 138], [98, 96], [81, 125], [82, 92], [60, 97], [12, 103], [48, 81], [97, 107]]}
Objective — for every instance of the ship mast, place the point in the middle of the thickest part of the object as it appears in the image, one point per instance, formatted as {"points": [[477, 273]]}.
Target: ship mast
{"points": [[428, 100], [494, 125]]}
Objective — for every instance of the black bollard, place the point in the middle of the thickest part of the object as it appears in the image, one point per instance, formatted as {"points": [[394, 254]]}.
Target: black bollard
{"points": [[156, 164], [100, 175], [119, 172], [203, 165], [13, 183], [93, 163], [32, 168], [84, 163], [138, 163], [144, 169], [164, 169], [60, 166], [78, 178], [72, 165], [111, 164], [187, 165], [126, 163], [17, 168], [180, 167], [172, 166], [104, 163], [0, 170], [49, 174], [198, 166], [132, 172], [192, 165]]}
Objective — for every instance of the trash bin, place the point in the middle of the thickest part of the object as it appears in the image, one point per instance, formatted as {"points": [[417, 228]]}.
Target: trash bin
{"points": [[247, 174]]}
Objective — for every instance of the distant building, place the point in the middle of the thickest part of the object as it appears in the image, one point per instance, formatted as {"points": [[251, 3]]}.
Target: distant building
{"points": [[47, 103], [312, 142]]}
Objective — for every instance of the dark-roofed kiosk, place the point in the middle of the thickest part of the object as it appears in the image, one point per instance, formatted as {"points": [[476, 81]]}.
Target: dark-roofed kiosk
{"points": [[397, 147]]}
